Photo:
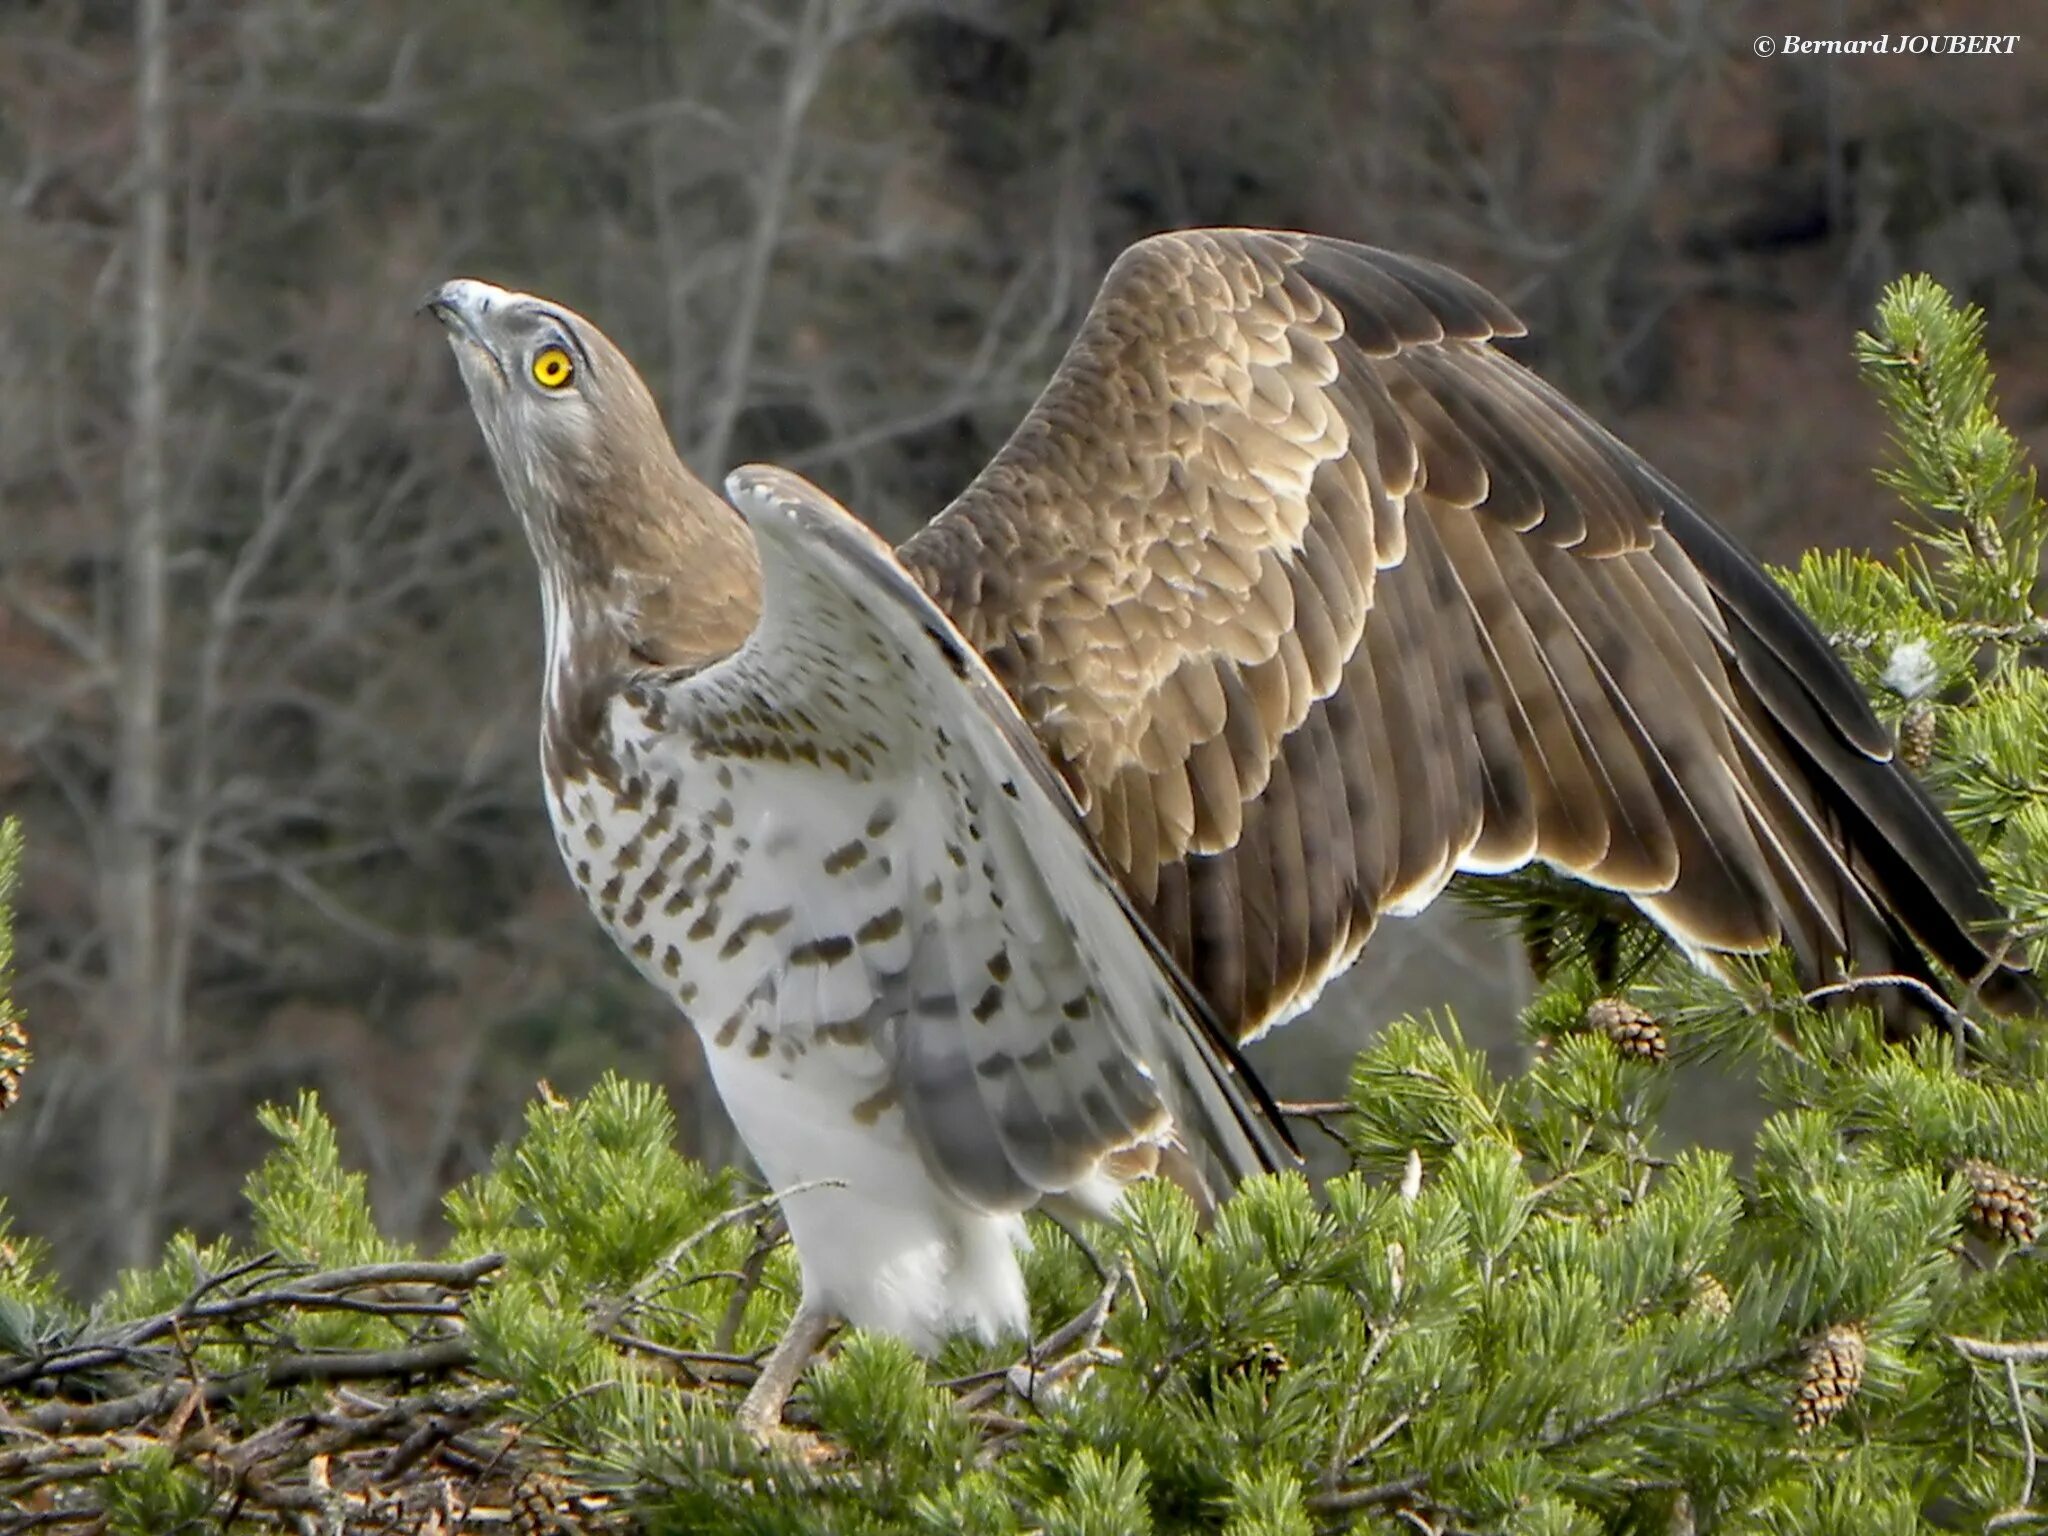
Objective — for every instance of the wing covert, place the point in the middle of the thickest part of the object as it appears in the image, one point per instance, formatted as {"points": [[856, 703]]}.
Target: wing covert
{"points": [[1316, 597], [1027, 1024]]}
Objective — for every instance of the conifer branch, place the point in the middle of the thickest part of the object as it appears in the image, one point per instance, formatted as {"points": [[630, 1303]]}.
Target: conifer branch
{"points": [[1346, 1500]]}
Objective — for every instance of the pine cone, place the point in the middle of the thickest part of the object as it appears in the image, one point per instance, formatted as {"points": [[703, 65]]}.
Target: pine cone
{"points": [[1264, 1358], [14, 1058], [1709, 1296], [1834, 1371], [1633, 1031], [536, 1502], [2001, 1208], [1916, 736]]}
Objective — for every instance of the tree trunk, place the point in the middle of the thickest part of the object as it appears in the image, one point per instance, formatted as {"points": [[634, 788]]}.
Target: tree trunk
{"points": [[139, 1123]]}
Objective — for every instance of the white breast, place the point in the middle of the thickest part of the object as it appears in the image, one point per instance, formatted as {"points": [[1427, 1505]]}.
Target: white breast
{"points": [[797, 1051]]}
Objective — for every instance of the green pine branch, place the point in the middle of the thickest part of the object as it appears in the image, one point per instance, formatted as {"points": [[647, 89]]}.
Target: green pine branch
{"points": [[1959, 469]]}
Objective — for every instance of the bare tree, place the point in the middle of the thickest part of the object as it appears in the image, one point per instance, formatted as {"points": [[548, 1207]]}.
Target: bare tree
{"points": [[143, 1017], [295, 775]]}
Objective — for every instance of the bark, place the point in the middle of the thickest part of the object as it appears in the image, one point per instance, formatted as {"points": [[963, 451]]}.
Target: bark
{"points": [[811, 50], [142, 1019]]}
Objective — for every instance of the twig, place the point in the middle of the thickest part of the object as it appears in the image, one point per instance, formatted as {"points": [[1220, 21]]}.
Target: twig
{"points": [[270, 1258], [2032, 631], [1345, 1500], [321, 1292], [1961, 1023], [1334, 1472], [344, 1365], [811, 50], [2032, 1352], [1320, 1113], [702, 1365], [768, 1235], [636, 1298], [1393, 1427], [461, 1276], [1084, 1327], [2019, 1408], [450, 1417], [44, 1519]]}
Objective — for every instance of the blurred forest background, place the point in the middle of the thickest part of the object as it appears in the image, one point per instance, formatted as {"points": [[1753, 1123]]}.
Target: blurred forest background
{"points": [[268, 637]]}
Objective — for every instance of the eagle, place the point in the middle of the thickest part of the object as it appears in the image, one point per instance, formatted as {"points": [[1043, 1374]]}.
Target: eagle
{"points": [[973, 862]]}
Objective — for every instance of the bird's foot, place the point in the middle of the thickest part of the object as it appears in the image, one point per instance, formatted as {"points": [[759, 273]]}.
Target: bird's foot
{"points": [[804, 1447], [760, 1412]]}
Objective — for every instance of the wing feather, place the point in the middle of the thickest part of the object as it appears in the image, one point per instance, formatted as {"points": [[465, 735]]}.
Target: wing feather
{"points": [[1315, 596], [1031, 1024]]}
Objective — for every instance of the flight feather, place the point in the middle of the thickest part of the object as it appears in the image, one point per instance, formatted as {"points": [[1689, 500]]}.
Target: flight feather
{"points": [[1317, 597]]}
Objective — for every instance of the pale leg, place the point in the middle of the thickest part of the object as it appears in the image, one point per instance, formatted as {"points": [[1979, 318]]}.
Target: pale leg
{"points": [[761, 1412]]}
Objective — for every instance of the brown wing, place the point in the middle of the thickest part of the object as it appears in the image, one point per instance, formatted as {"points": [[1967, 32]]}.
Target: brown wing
{"points": [[1315, 597]]}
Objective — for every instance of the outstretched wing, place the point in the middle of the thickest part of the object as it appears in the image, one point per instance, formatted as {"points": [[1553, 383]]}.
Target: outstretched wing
{"points": [[1315, 598], [1024, 1022]]}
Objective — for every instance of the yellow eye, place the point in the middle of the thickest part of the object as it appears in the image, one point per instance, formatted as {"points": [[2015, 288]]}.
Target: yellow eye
{"points": [[553, 368]]}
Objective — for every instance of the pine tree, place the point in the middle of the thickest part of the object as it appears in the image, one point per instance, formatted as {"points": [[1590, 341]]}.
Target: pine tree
{"points": [[1518, 1309]]}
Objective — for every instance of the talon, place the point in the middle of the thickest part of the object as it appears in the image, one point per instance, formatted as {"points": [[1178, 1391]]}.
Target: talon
{"points": [[798, 1445], [760, 1412]]}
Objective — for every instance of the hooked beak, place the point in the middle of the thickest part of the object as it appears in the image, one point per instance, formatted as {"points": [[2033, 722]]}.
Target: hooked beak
{"points": [[461, 305]]}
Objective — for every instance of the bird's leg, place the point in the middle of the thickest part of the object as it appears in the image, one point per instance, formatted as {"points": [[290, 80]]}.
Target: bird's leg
{"points": [[761, 1412]]}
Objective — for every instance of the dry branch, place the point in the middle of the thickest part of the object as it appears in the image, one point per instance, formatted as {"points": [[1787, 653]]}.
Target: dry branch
{"points": [[348, 1457]]}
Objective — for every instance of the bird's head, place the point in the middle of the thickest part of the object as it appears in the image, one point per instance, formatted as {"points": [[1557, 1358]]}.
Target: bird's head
{"points": [[613, 515], [569, 422]]}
